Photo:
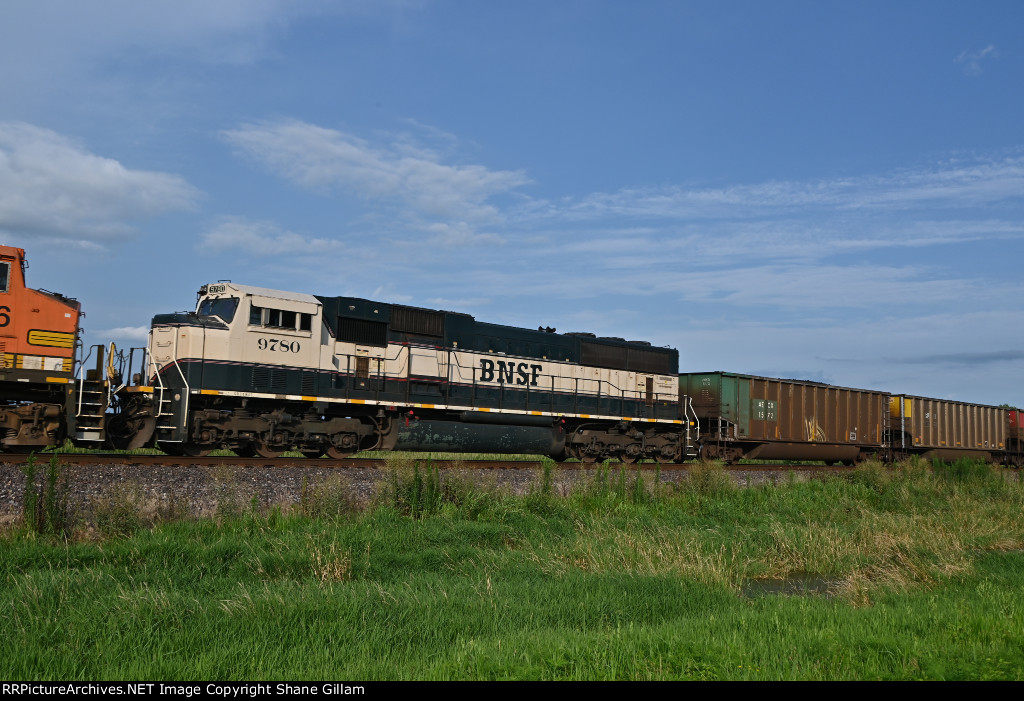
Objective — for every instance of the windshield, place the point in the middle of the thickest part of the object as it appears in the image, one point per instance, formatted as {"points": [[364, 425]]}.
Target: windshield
{"points": [[224, 307]]}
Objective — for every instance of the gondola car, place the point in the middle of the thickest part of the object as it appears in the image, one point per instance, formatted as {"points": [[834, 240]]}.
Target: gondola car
{"points": [[745, 416]]}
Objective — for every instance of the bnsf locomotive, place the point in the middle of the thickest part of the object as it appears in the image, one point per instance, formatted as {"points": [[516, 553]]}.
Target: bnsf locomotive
{"points": [[40, 404], [262, 371]]}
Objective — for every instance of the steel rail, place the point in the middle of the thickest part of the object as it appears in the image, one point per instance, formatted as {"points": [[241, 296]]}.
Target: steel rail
{"points": [[379, 463]]}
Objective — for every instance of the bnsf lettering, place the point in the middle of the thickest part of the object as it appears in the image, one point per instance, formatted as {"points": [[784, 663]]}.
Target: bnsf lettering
{"points": [[509, 372]]}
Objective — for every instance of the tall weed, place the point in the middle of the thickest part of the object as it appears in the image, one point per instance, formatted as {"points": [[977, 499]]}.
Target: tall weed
{"points": [[329, 499], [708, 477], [45, 507], [414, 492]]}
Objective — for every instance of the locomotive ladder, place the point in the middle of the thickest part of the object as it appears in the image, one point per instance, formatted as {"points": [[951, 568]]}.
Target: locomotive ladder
{"points": [[690, 419], [169, 421], [91, 405]]}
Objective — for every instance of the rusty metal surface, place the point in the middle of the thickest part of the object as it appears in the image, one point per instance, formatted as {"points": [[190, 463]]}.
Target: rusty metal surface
{"points": [[1016, 424], [947, 429], [788, 411]]}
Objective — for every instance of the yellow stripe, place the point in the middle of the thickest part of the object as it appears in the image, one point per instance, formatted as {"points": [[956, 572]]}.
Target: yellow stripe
{"points": [[338, 400], [62, 380], [52, 339]]}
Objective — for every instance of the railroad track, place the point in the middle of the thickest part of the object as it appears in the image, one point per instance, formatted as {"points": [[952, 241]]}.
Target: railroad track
{"points": [[348, 463]]}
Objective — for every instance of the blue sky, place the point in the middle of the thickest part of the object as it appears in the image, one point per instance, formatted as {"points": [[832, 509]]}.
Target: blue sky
{"points": [[823, 190]]}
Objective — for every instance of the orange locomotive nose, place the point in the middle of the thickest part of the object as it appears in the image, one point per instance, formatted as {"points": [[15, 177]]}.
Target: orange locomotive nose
{"points": [[37, 328]]}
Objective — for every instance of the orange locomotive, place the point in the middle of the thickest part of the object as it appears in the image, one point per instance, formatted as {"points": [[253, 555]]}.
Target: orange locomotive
{"points": [[38, 336]]}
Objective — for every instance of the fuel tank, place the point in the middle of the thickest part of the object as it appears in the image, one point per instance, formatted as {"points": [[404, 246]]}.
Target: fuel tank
{"points": [[456, 437]]}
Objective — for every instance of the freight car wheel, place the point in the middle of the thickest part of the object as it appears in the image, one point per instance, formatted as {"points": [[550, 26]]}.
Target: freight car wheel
{"points": [[337, 453]]}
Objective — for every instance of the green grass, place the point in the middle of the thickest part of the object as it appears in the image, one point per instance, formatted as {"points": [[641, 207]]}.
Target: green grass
{"points": [[443, 579], [70, 449]]}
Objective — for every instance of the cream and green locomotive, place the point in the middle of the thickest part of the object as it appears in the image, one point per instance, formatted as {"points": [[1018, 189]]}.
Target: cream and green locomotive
{"points": [[261, 371]]}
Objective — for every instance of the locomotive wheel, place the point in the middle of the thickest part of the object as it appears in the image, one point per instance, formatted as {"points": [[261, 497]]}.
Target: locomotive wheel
{"points": [[194, 450], [337, 453], [629, 459], [262, 450], [183, 450]]}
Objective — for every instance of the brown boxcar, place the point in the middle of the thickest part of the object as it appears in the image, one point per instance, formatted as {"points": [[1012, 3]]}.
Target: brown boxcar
{"points": [[744, 416], [948, 430]]}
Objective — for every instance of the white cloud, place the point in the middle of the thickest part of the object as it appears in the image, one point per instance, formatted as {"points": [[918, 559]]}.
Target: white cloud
{"points": [[327, 160], [458, 304], [259, 238], [950, 184], [460, 234], [51, 186], [125, 333], [59, 32], [971, 60]]}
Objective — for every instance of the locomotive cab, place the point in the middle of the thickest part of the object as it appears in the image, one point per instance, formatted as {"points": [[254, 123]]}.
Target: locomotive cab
{"points": [[271, 332], [37, 327]]}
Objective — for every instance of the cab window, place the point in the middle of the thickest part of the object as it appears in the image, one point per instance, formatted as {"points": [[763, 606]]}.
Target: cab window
{"points": [[280, 319], [5, 276], [224, 307]]}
